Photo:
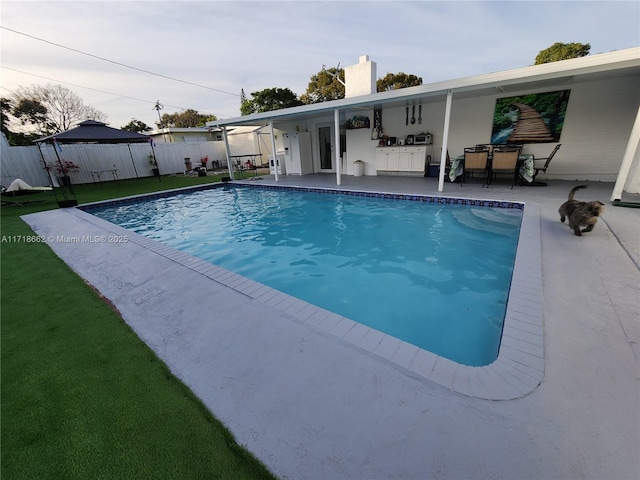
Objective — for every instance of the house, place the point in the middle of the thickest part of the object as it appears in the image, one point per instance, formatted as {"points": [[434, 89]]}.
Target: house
{"points": [[192, 134], [599, 129]]}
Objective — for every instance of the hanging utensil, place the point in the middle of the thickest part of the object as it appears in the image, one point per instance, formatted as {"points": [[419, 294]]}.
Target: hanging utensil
{"points": [[420, 114], [406, 118], [413, 115]]}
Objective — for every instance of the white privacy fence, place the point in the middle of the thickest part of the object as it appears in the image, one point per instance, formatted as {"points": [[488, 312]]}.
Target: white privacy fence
{"points": [[128, 160]]}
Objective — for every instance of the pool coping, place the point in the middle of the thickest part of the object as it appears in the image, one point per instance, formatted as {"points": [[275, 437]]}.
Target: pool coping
{"points": [[519, 367]]}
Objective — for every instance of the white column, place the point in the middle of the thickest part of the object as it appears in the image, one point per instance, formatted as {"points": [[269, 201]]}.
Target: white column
{"points": [[445, 140], [273, 148], [336, 148], [228, 151]]}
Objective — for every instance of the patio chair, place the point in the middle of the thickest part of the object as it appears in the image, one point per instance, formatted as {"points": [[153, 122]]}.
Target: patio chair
{"points": [[541, 165], [20, 188], [482, 146], [504, 161], [476, 160]]}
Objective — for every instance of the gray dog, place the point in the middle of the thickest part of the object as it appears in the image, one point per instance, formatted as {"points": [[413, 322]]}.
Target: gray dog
{"points": [[580, 214]]}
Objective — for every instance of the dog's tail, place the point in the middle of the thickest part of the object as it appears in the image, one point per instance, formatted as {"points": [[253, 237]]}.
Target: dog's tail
{"points": [[574, 190]]}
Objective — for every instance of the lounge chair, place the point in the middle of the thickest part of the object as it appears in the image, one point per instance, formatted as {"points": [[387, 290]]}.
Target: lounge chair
{"points": [[20, 188], [541, 165]]}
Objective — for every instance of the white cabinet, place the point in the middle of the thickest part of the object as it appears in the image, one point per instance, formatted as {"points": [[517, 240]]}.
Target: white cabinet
{"points": [[387, 158], [297, 153], [416, 158], [404, 159]]}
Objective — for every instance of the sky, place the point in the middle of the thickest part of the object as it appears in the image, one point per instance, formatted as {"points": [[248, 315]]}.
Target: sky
{"points": [[121, 57]]}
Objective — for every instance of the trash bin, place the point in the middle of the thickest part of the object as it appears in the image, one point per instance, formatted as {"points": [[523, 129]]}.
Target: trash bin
{"points": [[359, 168]]}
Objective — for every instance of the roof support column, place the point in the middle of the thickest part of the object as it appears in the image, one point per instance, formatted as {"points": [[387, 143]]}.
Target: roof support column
{"points": [[445, 140], [627, 160], [336, 147], [273, 149], [227, 151]]}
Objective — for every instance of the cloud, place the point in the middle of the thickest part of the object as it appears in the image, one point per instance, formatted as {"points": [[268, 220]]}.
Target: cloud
{"points": [[255, 45]]}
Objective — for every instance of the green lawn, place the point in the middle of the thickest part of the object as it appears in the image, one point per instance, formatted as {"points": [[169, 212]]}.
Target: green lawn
{"points": [[82, 396]]}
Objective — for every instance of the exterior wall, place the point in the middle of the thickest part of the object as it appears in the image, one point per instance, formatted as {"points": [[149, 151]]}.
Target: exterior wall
{"points": [[597, 126], [359, 148]]}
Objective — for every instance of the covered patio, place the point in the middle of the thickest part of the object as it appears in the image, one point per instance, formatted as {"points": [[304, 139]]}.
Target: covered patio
{"points": [[600, 139]]}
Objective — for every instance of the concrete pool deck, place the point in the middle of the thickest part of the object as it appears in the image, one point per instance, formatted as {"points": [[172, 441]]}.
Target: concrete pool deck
{"points": [[312, 405]]}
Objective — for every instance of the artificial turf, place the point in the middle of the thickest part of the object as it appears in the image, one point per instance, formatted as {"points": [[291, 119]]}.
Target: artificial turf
{"points": [[82, 396]]}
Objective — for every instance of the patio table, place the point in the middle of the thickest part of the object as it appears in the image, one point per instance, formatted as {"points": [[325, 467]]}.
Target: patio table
{"points": [[96, 175], [240, 166]]}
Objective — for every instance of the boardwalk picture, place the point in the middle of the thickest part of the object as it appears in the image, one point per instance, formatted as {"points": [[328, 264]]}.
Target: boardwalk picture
{"points": [[534, 118]]}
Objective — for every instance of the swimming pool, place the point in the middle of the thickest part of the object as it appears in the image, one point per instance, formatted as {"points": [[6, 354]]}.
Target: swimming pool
{"points": [[413, 269], [435, 275]]}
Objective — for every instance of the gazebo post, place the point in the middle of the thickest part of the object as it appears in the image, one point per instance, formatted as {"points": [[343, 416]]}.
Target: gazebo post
{"points": [[132, 162], [68, 201], [155, 159]]}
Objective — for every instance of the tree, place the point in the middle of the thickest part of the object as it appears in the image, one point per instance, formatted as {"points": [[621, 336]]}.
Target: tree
{"points": [[5, 110], [63, 107], [14, 138], [395, 81], [135, 126], [30, 111], [324, 87], [269, 99], [562, 51], [187, 119]]}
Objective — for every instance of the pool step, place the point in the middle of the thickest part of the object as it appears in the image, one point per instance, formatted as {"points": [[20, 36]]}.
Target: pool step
{"points": [[500, 221]]}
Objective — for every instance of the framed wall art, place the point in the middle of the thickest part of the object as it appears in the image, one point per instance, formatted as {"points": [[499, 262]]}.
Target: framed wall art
{"points": [[532, 118]]}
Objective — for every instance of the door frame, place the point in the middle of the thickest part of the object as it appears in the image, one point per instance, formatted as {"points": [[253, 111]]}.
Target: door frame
{"points": [[332, 147]]}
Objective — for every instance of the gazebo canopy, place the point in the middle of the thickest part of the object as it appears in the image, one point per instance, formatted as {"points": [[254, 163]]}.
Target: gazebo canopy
{"points": [[91, 131]]}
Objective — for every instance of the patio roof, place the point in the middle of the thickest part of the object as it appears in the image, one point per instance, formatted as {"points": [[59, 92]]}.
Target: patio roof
{"points": [[606, 65]]}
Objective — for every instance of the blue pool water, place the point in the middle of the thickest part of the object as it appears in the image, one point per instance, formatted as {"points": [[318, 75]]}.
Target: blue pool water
{"points": [[434, 275]]}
